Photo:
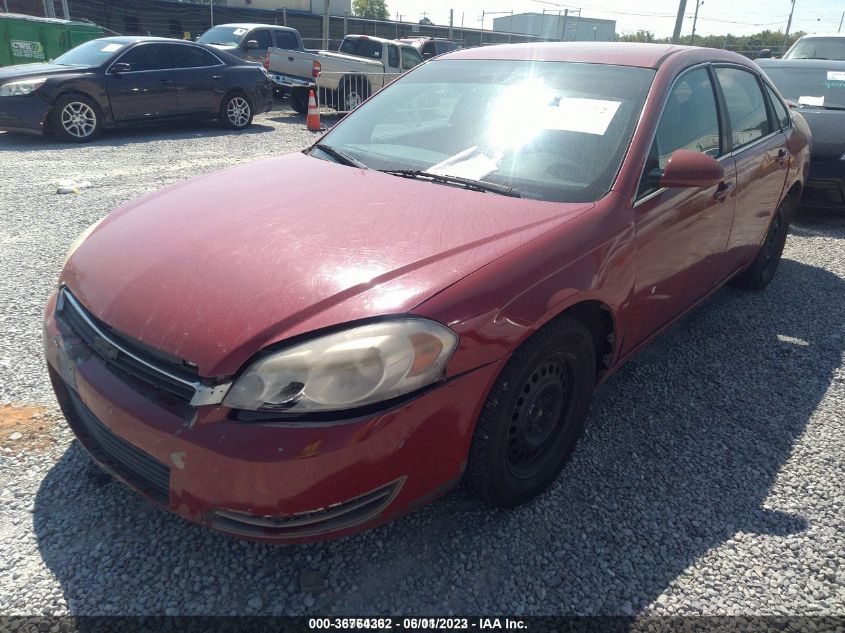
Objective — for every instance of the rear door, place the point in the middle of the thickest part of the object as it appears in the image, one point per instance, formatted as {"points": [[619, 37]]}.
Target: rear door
{"points": [[681, 232], [286, 40], [762, 159], [199, 79], [147, 90]]}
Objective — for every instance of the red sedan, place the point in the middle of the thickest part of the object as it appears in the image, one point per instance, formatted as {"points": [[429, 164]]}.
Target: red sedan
{"points": [[446, 277]]}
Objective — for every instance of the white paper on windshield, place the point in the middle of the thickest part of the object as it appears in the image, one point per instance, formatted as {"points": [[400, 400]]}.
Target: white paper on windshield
{"points": [[470, 163], [111, 48], [836, 75], [811, 101], [590, 116], [238, 31]]}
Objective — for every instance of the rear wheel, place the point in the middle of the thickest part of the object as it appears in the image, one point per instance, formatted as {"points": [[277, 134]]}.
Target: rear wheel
{"points": [[352, 93], [761, 271], [298, 100], [76, 118], [534, 414], [236, 111]]}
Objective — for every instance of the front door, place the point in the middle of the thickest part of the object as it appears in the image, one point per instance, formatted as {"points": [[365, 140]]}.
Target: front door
{"points": [[681, 233], [147, 89]]}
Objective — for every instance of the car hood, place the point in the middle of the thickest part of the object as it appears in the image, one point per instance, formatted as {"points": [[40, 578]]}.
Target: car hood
{"points": [[215, 268], [23, 71]]}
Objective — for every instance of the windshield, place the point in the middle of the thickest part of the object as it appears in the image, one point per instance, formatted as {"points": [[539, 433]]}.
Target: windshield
{"points": [[223, 36], [810, 86], [817, 48], [551, 130], [91, 53]]}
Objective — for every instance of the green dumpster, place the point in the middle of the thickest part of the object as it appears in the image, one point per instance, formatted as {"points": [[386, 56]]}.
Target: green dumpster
{"points": [[25, 39]]}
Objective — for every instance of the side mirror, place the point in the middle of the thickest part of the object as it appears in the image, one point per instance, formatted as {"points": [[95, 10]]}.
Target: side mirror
{"points": [[766, 53], [791, 104], [120, 67], [251, 45], [686, 168]]}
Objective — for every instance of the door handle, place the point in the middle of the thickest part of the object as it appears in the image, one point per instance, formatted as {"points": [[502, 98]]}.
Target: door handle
{"points": [[722, 191], [290, 59], [781, 156]]}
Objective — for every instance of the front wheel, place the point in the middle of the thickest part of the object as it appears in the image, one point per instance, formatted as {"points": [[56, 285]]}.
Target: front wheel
{"points": [[76, 118], [534, 414], [761, 271], [236, 112]]}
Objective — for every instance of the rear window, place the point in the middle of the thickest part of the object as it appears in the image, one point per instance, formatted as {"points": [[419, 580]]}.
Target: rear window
{"points": [[223, 36], [361, 48]]}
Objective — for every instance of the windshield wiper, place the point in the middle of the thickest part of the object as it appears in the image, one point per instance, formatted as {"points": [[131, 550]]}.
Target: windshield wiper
{"points": [[474, 185], [340, 157]]}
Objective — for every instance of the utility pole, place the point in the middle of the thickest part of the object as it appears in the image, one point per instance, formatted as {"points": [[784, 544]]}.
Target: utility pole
{"points": [[679, 21], [211, 4], [788, 24], [451, 21], [326, 25], [481, 35], [49, 9], [698, 3], [839, 31], [563, 30]]}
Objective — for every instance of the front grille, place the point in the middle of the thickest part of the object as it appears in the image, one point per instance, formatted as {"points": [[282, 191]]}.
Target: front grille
{"points": [[162, 375], [132, 464], [337, 517]]}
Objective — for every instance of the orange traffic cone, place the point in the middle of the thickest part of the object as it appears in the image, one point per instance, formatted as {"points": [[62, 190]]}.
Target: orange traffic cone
{"points": [[313, 120]]}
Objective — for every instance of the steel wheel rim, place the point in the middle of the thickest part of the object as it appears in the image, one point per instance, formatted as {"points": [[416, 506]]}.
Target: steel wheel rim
{"points": [[353, 100], [238, 111], [79, 119], [772, 238], [538, 417]]}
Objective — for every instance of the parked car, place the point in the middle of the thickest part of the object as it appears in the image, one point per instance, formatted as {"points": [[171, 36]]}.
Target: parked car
{"points": [[251, 41], [431, 46], [830, 47], [124, 81], [345, 78], [492, 235], [816, 87]]}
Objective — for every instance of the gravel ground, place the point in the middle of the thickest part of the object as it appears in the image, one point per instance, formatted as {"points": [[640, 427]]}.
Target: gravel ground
{"points": [[710, 479]]}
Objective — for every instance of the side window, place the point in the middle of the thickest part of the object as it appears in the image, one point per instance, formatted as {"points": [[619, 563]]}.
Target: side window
{"points": [[781, 113], [192, 57], [746, 106], [286, 40], [263, 37], [393, 56], [147, 57], [410, 57], [690, 121]]}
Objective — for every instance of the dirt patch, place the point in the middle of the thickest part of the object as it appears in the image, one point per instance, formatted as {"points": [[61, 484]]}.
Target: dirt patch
{"points": [[26, 428]]}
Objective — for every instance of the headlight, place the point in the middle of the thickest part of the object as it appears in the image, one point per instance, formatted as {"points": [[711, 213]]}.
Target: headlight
{"points": [[82, 237], [360, 366], [23, 87]]}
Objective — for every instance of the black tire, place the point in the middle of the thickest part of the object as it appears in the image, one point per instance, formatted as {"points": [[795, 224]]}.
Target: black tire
{"points": [[352, 93], [76, 118], [761, 271], [534, 414], [236, 111], [298, 100]]}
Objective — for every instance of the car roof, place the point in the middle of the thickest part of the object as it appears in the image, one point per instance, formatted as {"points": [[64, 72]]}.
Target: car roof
{"points": [[829, 64], [256, 25], [825, 35], [131, 39], [615, 53]]}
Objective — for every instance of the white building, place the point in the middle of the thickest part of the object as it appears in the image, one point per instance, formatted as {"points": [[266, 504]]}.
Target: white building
{"points": [[558, 26]]}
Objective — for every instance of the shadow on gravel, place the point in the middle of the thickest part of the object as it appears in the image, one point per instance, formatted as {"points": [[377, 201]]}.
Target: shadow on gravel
{"points": [[14, 142], [680, 453]]}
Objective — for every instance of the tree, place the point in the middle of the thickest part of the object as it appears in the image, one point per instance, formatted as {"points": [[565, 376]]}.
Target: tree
{"points": [[426, 20], [639, 36], [373, 9]]}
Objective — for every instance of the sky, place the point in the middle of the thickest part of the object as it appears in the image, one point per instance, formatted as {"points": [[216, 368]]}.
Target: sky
{"points": [[739, 17]]}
